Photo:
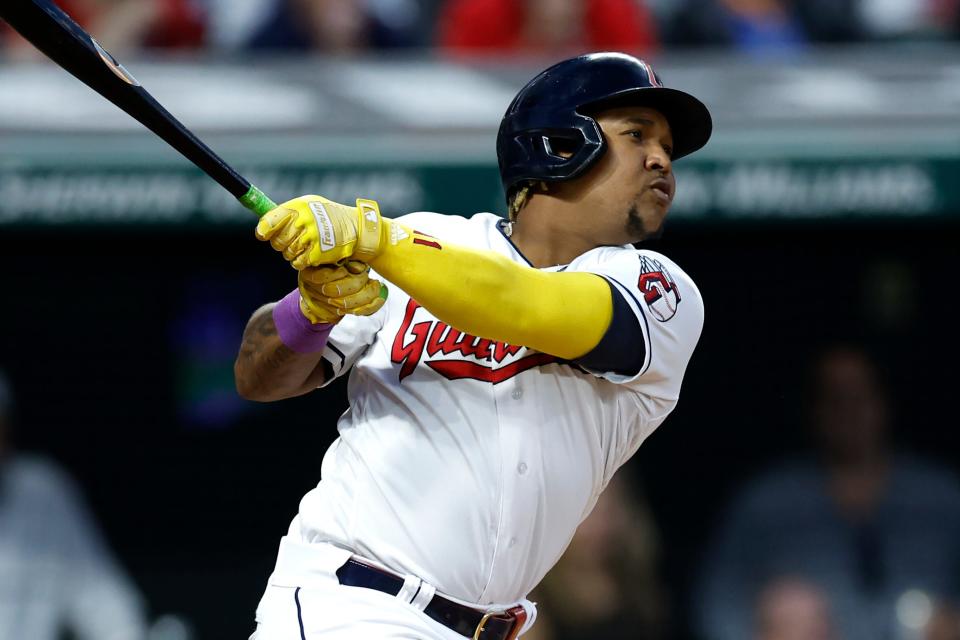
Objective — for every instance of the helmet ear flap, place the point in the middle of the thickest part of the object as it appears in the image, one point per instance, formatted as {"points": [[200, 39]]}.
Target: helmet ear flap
{"points": [[538, 149]]}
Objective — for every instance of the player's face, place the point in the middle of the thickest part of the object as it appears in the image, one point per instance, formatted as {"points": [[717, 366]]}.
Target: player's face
{"points": [[632, 186]]}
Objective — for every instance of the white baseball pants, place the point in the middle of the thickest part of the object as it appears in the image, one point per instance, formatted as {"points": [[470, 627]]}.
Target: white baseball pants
{"points": [[305, 601]]}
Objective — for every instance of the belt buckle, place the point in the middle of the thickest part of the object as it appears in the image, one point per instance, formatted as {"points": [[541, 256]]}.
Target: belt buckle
{"points": [[519, 615], [519, 618], [483, 623]]}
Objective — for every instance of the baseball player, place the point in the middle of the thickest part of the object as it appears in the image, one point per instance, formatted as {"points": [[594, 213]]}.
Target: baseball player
{"points": [[514, 366]]}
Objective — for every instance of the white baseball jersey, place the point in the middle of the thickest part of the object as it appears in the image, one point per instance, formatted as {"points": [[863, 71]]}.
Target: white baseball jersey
{"points": [[469, 463]]}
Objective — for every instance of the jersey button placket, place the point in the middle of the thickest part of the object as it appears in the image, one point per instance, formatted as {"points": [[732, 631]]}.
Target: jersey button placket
{"points": [[515, 435]]}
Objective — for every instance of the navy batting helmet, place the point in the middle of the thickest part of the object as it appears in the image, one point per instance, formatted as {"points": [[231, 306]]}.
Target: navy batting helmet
{"points": [[553, 108]]}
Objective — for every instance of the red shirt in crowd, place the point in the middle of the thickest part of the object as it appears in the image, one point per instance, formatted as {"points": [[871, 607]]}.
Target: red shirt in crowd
{"points": [[178, 22], [499, 26]]}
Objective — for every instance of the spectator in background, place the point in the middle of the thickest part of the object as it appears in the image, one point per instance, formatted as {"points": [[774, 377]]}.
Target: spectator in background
{"points": [[606, 585], [764, 27], [791, 609], [126, 25], [338, 26], [56, 573], [908, 19], [830, 21], [944, 624], [752, 26], [546, 27], [876, 531]]}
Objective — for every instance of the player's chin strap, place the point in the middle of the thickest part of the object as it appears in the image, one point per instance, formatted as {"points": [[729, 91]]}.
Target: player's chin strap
{"points": [[485, 294]]}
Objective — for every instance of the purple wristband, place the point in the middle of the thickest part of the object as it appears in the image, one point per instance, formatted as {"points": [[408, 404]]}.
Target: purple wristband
{"points": [[295, 329]]}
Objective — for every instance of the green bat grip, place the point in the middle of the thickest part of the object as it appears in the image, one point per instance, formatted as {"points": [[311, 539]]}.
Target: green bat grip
{"points": [[258, 202]]}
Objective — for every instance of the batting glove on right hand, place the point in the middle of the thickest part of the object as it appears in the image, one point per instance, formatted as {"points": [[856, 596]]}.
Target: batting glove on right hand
{"points": [[328, 293], [310, 231]]}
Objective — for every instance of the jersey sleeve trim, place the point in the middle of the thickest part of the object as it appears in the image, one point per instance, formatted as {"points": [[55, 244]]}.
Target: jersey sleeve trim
{"points": [[336, 369], [644, 327], [339, 353], [622, 349]]}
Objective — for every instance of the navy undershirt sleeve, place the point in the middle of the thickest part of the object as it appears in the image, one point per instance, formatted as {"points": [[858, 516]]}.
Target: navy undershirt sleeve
{"points": [[622, 349]]}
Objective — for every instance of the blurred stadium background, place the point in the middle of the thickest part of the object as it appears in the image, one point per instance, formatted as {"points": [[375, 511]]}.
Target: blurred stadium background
{"points": [[825, 211]]}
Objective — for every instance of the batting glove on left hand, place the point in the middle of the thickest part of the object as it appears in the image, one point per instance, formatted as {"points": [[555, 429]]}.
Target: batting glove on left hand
{"points": [[328, 293], [310, 231]]}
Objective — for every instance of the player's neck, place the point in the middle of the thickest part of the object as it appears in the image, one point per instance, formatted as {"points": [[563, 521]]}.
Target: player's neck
{"points": [[545, 239]]}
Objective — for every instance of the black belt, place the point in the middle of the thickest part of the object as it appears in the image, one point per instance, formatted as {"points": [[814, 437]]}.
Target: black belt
{"points": [[467, 621]]}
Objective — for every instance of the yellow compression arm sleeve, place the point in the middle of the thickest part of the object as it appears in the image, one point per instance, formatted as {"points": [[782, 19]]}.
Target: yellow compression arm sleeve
{"points": [[482, 293]]}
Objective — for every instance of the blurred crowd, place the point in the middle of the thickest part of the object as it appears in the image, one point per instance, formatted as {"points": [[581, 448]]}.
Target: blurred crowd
{"points": [[56, 571], [504, 27], [856, 539]]}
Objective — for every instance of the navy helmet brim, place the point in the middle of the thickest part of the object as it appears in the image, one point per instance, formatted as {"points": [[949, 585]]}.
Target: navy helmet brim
{"points": [[690, 122]]}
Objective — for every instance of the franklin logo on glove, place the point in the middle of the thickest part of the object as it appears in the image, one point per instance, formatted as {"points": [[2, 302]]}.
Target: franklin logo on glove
{"points": [[324, 225]]}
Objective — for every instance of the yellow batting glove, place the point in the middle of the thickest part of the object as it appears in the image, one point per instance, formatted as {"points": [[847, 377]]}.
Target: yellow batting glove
{"points": [[310, 231], [328, 293]]}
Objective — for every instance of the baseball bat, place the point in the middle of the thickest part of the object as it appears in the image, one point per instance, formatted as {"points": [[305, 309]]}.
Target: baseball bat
{"points": [[53, 32]]}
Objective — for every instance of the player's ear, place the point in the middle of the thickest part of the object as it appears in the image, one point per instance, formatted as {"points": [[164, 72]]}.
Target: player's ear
{"points": [[563, 147]]}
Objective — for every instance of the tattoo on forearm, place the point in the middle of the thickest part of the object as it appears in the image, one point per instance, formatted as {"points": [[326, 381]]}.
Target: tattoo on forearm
{"points": [[260, 352], [268, 369], [278, 358], [257, 334]]}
